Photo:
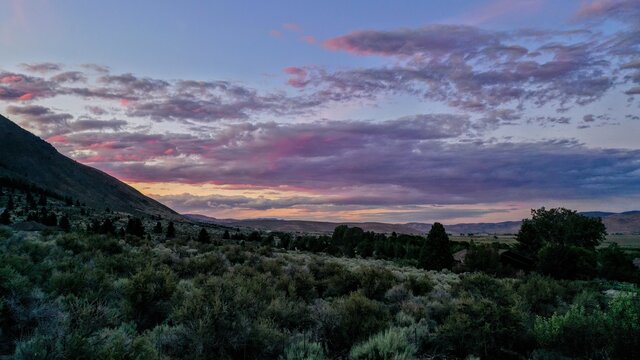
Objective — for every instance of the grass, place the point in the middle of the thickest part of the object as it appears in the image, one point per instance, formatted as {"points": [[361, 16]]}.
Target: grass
{"points": [[630, 242]]}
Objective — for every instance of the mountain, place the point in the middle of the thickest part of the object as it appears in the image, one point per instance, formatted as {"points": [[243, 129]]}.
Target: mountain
{"points": [[303, 226], [616, 223], [26, 157]]}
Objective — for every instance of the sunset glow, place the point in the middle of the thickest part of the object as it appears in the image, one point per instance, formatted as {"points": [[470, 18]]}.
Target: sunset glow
{"points": [[378, 113]]}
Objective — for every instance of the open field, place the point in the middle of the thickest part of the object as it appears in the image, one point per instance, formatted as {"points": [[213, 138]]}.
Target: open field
{"points": [[625, 241]]}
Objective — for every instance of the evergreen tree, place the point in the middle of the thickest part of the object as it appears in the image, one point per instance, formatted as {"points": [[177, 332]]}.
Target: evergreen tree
{"points": [[42, 201], [5, 217], [108, 228], [64, 223], [436, 252], [226, 235], [203, 236], [171, 230], [49, 219], [158, 228], [135, 227], [10, 205], [31, 202]]}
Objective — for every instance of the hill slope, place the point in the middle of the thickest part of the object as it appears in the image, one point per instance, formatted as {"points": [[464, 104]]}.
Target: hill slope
{"points": [[26, 157], [622, 223]]}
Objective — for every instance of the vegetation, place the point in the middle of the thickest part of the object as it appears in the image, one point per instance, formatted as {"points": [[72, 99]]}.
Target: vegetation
{"points": [[88, 292]]}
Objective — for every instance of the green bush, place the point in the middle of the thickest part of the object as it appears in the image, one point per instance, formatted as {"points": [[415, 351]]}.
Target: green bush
{"points": [[358, 318], [419, 285], [375, 281], [148, 293], [541, 295], [480, 327], [391, 344], [576, 332], [302, 348], [615, 265], [567, 262]]}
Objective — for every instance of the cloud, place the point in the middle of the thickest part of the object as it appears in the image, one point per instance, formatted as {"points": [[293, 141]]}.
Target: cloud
{"points": [[15, 86], [432, 40], [45, 120], [603, 9], [69, 77], [408, 161], [41, 68], [479, 70]]}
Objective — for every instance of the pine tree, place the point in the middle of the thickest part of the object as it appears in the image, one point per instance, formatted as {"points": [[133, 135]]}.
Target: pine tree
{"points": [[10, 205], [42, 201], [5, 217], [226, 235], [171, 230], [107, 227], [135, 227], [31, 202], [64, 224], [203, 236], [436, 251], [158, 228]]}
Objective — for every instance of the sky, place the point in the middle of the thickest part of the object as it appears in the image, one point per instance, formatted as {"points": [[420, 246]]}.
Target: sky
{"points": [[396, 111]]}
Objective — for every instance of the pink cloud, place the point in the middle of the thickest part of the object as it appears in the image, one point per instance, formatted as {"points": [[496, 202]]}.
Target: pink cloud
{"points": [[26, 97], [501, 8], [57, 139], [298, 77], [309, 39], [275, 33], [10, 79], [292, 27]]}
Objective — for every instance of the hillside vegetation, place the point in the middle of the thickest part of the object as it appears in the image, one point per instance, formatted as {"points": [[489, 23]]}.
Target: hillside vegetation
{"points": [[111, 285]]}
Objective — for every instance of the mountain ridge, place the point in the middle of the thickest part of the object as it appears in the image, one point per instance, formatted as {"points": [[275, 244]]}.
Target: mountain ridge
{"points": [[627, 222], [28, 158]]}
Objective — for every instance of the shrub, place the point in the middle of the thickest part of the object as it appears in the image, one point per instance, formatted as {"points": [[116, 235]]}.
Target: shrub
{"points": [[482, 328], [483, 258], [391, 344], [419, 285], [567, 262], [375, 281], [148, 293], [615, 265], [541, 295], [301, 348], [575, 333], [123, 343], [358, 318]]}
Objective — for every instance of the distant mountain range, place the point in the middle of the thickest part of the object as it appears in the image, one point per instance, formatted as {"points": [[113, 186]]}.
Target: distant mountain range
{"points": [[616, 223], [26, 157]]}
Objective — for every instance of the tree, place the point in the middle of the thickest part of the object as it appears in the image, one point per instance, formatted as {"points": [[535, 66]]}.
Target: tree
{"points": [[226, 235], [64, 223], [436, 251], [135, 227], [108, 228], [10, 204], [254, 236], [203, 236], [5, 217], [158, 228], [42, 201], [559, 227], [171, 230], [615, 265]]}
